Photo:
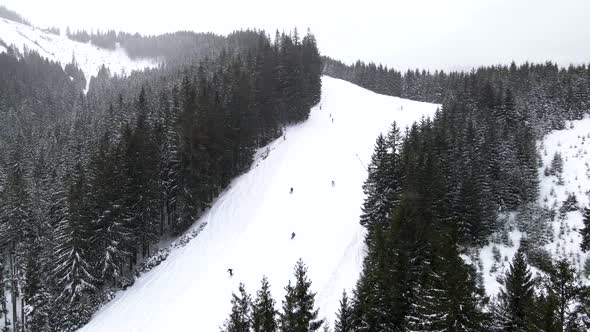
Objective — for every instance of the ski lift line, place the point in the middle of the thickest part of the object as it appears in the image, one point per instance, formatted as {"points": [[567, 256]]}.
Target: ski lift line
{"points": [[359, 158]]}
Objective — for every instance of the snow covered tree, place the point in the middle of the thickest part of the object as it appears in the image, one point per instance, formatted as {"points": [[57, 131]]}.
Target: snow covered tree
{"points": [[72, 272], [299, 314], [240, 319], [382, 187], [344, 319], [109, 239], [263, 310], [376, 208], [557, 167], [515, 310], [445, 297], [585, 232], [566, 289], [429, 298]]}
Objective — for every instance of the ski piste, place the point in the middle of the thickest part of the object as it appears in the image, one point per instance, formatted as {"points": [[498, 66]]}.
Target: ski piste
{"points": [[249, 227]]}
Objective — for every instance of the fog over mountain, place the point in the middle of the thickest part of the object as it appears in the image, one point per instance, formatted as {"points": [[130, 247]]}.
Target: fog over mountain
{"points": [[455, 34]]}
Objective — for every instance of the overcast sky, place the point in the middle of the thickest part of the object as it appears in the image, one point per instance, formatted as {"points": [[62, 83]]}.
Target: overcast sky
{"points": [[447, 34]]}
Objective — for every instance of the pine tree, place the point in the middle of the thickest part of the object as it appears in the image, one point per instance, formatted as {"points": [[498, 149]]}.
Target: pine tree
{"points": [[72, 272], [240, 317], [515, 311], [566, 289], [382, 186], [344, 316], [109, 238], [299, 314], [557, 167], [263, 310], [585, 232], [547, 306], [448, 300]]}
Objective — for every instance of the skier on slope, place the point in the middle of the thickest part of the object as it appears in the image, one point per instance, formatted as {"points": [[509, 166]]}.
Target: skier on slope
{"points": [[231, 272], [292, 235], [291, 191], [333, 184]]}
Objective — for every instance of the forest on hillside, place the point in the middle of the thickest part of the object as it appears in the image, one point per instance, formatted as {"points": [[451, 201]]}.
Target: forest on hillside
{"points": [[440, 189], [90, 182]]}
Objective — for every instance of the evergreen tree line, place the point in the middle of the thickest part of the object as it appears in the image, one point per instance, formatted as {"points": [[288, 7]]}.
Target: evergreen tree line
{"points": [[13, 16], [549, 94], [180, 47], [89, 183], [438, 192], [298, 313]]}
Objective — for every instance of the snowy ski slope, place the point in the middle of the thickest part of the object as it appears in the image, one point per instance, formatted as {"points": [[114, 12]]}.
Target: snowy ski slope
{"points": [[249, 227], [61, 49]]}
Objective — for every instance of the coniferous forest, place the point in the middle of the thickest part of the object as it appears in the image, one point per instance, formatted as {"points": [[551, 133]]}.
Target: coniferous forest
{"points": [[93, 177], [91, 181]]}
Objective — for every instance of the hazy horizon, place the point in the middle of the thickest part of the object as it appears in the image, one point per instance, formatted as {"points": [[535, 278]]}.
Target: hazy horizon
{"points": [[456, 34]]}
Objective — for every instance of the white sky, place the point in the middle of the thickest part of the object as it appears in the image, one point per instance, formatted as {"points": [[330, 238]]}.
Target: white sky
{"points": [[447, 34]]}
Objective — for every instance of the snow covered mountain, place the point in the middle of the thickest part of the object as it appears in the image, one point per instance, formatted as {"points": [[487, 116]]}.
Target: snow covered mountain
{"points": [[249, 227], [62, 49]]}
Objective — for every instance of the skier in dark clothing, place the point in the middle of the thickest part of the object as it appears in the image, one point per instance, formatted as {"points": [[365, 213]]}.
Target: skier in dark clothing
{"points": [[290, 192], [333, 184], [292, 235], [231, 272]]}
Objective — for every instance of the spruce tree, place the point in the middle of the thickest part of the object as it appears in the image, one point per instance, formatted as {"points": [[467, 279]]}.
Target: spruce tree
{"points": [[263, 310], [382, 186], [240, 319], [516, 308], [585, 232], [72, 272], [344, 317], [448, 300], [564, 286], [299, 314]]}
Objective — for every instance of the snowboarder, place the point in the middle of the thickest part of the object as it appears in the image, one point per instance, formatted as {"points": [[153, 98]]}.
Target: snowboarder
{"points": [[333, 184], [292, 235], [291, 191], [231, 272]]}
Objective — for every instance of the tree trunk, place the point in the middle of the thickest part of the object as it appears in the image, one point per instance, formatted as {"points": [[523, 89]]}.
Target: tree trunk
{"points": [[13, 285], [22, 313], [4, 309]]}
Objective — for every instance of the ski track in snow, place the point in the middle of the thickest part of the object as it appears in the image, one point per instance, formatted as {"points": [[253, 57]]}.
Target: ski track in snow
{"points": [[249, 226], [61, 49]]}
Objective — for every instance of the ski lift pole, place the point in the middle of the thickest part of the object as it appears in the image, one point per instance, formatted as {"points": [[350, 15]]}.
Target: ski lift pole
{"points": [[359, 158]]}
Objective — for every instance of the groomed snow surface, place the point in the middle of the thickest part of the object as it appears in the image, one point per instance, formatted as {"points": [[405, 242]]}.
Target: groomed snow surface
{"points": [[61, 49], [249, 227]]}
